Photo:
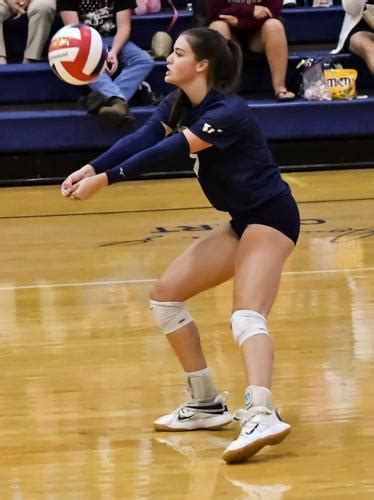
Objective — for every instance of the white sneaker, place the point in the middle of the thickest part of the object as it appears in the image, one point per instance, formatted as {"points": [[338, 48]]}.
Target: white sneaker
{"points": [[191, 416], [260, 427]]}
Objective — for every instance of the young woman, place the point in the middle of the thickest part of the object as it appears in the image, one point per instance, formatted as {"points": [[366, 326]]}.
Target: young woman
{"points": [[255, 24], [356, 35], [205, 122]]}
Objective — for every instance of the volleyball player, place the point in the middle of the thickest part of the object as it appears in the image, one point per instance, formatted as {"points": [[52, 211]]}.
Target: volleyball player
{"points": [[204, 121]]}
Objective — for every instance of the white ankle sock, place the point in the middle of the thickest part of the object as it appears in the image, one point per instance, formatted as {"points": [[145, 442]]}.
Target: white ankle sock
{"points": [[201, 385], [256, 395]]}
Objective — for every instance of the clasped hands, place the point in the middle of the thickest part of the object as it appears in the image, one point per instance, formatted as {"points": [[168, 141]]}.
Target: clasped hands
{"points": [[83, 183]]}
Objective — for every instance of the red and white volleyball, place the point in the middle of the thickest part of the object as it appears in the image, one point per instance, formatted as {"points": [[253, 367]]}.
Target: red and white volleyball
{"points": [[77, 54]]}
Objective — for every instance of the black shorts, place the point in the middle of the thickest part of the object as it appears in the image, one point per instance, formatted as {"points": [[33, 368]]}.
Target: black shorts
{"points": [[280, 213], [361, 26]]}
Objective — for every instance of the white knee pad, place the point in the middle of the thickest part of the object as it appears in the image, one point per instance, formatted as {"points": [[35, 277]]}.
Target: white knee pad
{"points": [[170, 316], [246, 323]]}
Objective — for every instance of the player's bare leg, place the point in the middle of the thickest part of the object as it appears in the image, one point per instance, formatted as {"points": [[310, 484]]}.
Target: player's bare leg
{"points": [[259, 262], [198, 268]]}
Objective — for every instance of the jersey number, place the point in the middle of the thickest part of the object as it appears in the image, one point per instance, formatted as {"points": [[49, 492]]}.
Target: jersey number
{"points": [[196, 166]]}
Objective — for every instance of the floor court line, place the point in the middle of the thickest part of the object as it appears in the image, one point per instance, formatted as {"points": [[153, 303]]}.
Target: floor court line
{"points": [[150, 280]]}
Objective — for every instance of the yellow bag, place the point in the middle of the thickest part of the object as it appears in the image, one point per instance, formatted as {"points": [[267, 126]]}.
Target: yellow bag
{"points": [[341, 83]]}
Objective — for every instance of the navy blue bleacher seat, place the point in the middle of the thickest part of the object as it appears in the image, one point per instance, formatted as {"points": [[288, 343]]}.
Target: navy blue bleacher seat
{"points": [[38, 112]]}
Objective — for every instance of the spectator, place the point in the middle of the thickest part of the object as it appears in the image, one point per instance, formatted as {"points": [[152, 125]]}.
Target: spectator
{"points": [[127, 64], [40, 13], [356, 35], [256, 26]]}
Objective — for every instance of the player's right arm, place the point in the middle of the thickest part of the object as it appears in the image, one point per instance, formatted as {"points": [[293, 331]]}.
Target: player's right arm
{"points": [[147, 136]]}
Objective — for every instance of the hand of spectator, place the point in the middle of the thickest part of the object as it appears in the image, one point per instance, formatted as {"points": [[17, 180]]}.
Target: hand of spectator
{"points": [[111, 63], [18, 7], [230, 20], [70, 183], [261, 12]]}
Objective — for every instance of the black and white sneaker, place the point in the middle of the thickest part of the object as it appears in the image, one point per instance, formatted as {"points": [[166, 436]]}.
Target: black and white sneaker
{"points": [[192, 415], [259, 427]]}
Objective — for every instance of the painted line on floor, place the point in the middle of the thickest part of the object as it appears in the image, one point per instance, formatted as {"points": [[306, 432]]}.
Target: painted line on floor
{"points": [[150, 280]]}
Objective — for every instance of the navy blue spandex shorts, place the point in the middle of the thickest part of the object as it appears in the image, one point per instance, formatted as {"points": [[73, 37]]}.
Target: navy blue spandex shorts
{"points": [[280, 213]]}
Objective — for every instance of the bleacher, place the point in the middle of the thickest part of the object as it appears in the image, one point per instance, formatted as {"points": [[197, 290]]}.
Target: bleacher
{"points": [[44, 134]]}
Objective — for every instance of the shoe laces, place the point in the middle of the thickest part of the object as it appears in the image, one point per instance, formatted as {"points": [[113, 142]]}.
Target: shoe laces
{"points": [[246, 416]]}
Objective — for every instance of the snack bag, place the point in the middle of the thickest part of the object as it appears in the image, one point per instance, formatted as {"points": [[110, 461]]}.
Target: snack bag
{"points": [[314, 87], [341, 83]]}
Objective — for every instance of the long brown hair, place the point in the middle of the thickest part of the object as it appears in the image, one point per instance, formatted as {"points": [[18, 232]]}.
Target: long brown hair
{"points": [[224, 65]]}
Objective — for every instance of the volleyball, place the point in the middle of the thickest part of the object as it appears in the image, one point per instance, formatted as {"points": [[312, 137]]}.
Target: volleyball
{"points": [[77, 54]]}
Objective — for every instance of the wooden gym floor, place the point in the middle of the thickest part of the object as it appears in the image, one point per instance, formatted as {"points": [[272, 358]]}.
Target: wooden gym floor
{"points": [[85, 371]]}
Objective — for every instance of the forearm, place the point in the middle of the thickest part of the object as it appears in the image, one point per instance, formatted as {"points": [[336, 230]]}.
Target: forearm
{"points": [[143, 138], [69, 17], [174, 148], [123, 33]]}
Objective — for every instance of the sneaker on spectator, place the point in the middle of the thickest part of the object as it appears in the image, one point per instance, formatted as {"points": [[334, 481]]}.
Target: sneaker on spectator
{"points": [[116, 112]]}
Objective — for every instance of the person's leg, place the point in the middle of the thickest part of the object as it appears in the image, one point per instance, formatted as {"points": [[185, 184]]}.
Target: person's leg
{"points": [[198, 268], [41, 14], [261, 255], [135, 64], [362, 44], [105, 85], [222, 27], [272, 40], [108, 101], [260, 258], [5, 13]]}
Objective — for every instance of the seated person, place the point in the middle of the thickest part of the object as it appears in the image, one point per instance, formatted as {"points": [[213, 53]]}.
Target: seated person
{"points": [[256, 26], [40, 13], [356, 36], [113, 89]]}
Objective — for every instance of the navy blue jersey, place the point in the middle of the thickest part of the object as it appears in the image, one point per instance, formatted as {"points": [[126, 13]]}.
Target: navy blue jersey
{"points": [[238, 172]]}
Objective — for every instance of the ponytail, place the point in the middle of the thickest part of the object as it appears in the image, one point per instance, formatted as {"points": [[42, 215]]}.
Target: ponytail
{"points": [[224, 66]]}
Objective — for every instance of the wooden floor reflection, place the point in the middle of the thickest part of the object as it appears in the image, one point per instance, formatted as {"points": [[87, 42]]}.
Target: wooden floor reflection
{"points": [[85, 371]]}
